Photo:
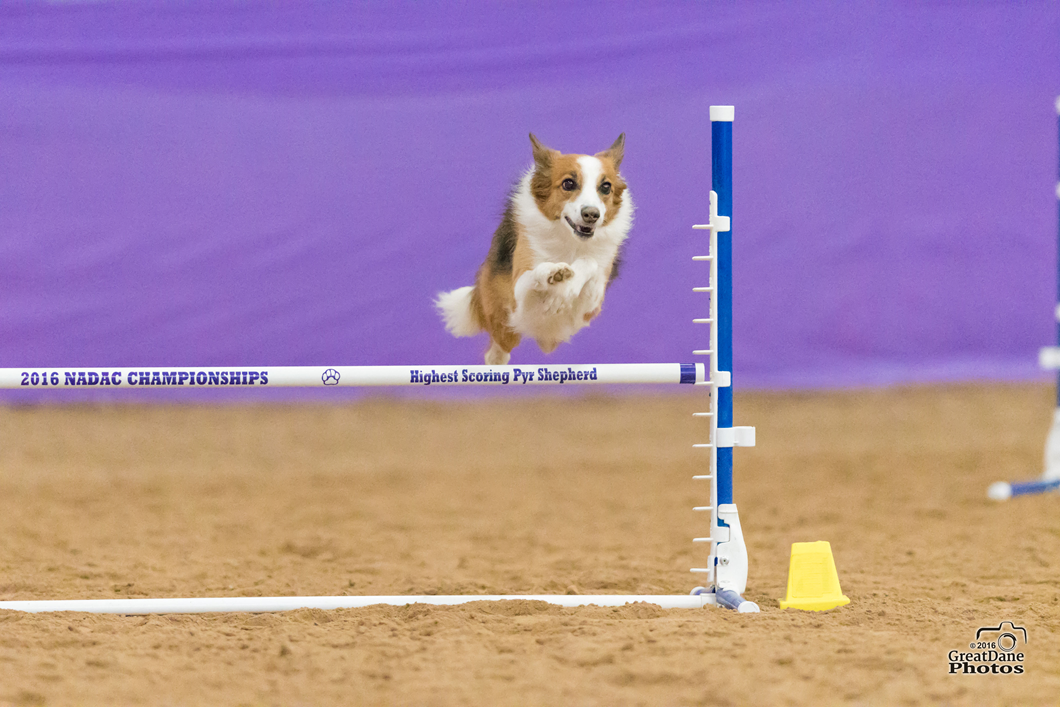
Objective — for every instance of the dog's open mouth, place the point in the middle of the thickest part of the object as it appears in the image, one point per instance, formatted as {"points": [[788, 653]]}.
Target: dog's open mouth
{"points": [[581, 231]]}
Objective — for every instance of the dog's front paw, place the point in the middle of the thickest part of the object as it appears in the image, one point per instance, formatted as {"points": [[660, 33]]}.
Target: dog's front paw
{"points": [[547, 275], [592, 294], [561, 272], [554, 284], [560, 294]]}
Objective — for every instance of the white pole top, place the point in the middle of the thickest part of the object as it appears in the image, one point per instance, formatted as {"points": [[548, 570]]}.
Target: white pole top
{"points": [[722, 114], [1058, 105]]}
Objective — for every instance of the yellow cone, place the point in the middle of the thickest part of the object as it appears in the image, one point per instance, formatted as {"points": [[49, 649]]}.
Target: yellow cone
{"points": [[813, 583]]}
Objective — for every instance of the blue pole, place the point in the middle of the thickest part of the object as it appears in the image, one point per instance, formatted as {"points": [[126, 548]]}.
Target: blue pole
{"points": [[721, 181], [1025, 488]]}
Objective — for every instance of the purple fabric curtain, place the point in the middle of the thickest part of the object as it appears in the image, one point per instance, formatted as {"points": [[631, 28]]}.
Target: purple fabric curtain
{"points": [[287, 183]]}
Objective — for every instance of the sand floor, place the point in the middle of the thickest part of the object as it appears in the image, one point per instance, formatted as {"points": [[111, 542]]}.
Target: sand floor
{"points": [[582, 495]]}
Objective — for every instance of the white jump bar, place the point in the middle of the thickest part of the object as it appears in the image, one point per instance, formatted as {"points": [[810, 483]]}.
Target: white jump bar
{"points": [[325, 376], [257, 605]]}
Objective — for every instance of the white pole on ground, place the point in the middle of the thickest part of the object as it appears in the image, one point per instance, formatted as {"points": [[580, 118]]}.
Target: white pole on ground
{"points": [[272, 604]]}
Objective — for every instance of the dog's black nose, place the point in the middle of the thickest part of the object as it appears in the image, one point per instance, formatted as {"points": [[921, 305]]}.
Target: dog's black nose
{"points": [[590, 214]]}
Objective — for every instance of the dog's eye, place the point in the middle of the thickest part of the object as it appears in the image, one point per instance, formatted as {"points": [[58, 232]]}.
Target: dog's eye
{"points": [[569, 185], [605, 188]]}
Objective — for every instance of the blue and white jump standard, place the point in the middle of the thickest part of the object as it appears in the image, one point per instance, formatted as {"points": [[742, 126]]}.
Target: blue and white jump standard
{"points": [[726, 565], [1048, 359], [726, 569]]}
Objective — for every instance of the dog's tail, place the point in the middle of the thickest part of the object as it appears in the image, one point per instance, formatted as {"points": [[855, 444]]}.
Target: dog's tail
{"points": [[457, 308]]}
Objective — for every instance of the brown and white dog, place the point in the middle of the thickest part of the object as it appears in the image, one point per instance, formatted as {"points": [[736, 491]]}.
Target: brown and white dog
{"points": [[552, 257]]}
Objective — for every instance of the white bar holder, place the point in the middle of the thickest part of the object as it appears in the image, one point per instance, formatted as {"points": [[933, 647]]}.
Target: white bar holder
{"points": [[736, 437]]}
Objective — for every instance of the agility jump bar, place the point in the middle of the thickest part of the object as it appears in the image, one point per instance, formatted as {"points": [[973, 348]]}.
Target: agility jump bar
{"points": [[350, 376]]}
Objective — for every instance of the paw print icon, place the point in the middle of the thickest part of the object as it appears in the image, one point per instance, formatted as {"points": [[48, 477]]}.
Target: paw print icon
{"points": [[330, 377]]}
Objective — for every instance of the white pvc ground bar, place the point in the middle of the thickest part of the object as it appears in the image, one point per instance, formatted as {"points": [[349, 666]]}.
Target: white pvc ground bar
{"points": [[256, 605], [325, 376]]}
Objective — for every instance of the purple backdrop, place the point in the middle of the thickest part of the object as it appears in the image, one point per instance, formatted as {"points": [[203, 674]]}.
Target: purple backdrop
{"points": [[211, 183]]}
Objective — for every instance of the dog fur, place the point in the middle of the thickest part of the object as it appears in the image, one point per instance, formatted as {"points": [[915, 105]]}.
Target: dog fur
{"points": [[556, 251]]}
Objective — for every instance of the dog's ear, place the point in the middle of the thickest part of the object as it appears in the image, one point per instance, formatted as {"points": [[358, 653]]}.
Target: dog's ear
{"points": [[616, 151], [542, 155]]}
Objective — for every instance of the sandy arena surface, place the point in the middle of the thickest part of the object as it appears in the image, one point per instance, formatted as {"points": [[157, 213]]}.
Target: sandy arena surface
{"points": [[585, 495]]}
